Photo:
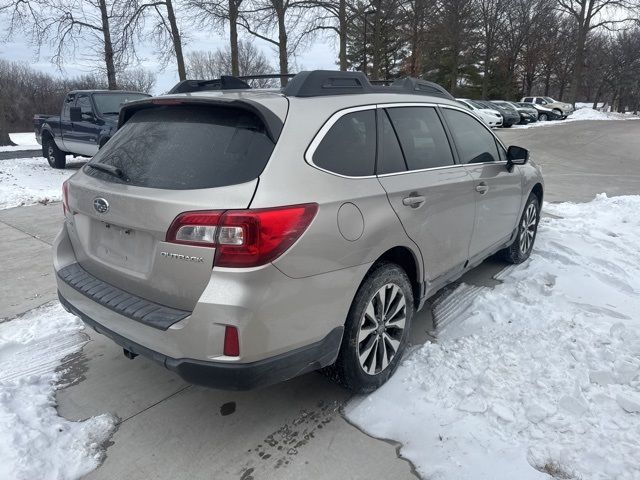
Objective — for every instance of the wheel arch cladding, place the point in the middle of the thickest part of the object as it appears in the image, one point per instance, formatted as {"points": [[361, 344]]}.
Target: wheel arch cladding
{"points": [[405, 259], [538, 192]]}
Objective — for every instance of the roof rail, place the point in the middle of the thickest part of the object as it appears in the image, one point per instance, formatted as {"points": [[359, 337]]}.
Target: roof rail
{"points": [[317, 83], [328, 82], [225, 82]]}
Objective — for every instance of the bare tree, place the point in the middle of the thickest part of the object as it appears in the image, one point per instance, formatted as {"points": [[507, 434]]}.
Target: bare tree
{"points": [[590, 15], [78, 29], [492, 18], [165, 31], [207, 65], [217, 14], [282, 23]]}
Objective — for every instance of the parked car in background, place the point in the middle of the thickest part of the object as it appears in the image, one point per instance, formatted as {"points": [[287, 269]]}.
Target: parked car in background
{"points": [[544, 113], [87, 120], [243, 238], [528, 114], [559, 108], [510, 115], [491, 117]]}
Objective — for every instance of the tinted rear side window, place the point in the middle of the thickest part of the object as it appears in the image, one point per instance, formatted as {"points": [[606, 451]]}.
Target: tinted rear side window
{"points": [[422, 137], [474, 142], [391, 159], [349, 147], [187, 147]]}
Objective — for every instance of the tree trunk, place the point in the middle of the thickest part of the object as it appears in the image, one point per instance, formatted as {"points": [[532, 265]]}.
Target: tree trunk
{"points": [[547, 82], [342, 20], [108, 46], [233, 37], [376, 61], [485, 73], [579, 65], [4, 137], [598, 94], [177, 42], [282, 46]]}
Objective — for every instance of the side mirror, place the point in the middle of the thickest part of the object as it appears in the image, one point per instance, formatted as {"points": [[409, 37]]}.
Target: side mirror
{"points": [[516, 156], [75, 113]]}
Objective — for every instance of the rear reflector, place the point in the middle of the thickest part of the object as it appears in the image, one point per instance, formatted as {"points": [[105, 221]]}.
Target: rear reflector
{"points": [[231, 342], [243, 238]]}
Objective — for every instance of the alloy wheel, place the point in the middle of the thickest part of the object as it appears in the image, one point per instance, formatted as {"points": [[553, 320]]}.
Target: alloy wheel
{"points": [[528, 228], [381, 329]]}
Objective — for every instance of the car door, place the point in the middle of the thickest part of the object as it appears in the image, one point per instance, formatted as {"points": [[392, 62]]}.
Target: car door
{"points": [[498, 191], [86, 131], [431, 194], [65, 123]]}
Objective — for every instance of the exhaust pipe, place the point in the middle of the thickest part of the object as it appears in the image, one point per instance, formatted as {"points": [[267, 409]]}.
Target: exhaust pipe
{"points": [[130, 355]]}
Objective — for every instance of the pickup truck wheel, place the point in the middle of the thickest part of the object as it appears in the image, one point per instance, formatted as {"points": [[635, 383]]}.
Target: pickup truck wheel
{"points": [[376, 331], [55, 157]]}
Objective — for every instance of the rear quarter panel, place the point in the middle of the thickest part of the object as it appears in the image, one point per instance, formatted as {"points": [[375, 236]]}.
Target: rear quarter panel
{"points": [[288, 179]]}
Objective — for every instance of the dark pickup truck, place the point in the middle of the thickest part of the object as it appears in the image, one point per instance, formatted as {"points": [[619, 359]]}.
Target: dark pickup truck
{"points": [[87, 120]]}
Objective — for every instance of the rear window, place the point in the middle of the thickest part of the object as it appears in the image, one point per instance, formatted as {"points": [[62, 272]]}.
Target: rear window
{"points": [[186, 147]]}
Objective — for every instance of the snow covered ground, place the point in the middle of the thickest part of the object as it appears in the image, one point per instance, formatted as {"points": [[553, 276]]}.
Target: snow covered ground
{"points": [[36, 443], [23, 141], [541, 373], [25, 181], [582, 114]]}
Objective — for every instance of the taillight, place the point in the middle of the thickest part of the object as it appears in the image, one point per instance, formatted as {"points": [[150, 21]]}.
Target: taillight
{"points": [[243, 238], [65, 197]]}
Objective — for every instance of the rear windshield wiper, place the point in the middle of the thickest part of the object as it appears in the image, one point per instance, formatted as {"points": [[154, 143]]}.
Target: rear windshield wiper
{"points": [[111, 113], [110, 169]]}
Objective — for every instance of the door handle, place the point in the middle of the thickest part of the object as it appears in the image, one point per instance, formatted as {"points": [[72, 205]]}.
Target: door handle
{"points": [[413, 201], [482, 188]]}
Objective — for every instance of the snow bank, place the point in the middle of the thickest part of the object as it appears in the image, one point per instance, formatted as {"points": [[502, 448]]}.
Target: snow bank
{"points": [[25, 181], [34, 441], [539, 373], [23, 141], [582, 114]]}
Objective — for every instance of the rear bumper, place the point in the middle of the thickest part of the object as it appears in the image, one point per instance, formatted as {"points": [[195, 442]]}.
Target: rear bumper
{"points": [[231, 376]]}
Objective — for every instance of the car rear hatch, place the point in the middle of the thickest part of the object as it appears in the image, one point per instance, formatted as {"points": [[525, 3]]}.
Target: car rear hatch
{"points": [[166, 159]]}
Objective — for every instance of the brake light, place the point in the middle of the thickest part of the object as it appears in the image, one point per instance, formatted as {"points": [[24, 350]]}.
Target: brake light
{"points": [[231, 342], [243, 238], [65, 197]]}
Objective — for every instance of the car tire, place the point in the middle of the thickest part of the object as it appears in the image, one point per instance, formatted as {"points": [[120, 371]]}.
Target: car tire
{"points": [[378, 322], [56, 157], [543, 117], [558, 112], [527, 230]]}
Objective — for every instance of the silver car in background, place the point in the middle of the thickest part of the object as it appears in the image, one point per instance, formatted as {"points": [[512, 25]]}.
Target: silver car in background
{"points": [[242, 238]]}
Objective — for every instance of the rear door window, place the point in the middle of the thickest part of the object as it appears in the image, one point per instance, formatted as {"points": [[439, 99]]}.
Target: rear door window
{"points": [[186, 147], [475, 144], [349, 147], [390, 159], [422, 137]]}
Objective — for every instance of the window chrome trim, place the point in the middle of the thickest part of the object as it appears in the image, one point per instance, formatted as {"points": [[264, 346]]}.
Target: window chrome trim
{"points": [[311, 149], [317, 139]]}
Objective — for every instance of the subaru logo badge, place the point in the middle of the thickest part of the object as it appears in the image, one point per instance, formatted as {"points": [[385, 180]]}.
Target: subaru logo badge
{"points": [[101, 205]]}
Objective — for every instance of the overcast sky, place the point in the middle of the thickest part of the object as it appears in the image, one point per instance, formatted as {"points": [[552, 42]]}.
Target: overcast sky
{"points": [[321, 53]]}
